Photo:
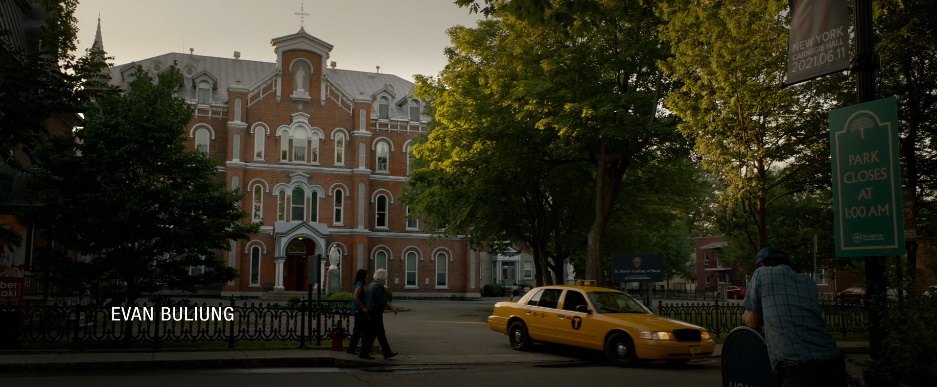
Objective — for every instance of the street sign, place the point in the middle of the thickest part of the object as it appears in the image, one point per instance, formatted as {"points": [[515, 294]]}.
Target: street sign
{"points": [[637, 268], [819, 39], [867, 197]]}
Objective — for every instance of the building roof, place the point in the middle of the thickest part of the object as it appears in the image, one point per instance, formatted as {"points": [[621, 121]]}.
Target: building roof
{"points": [[20, 21], [228, 72]]}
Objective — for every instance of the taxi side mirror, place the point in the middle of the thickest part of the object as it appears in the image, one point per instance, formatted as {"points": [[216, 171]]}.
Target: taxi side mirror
{"points": [[583, 309]]}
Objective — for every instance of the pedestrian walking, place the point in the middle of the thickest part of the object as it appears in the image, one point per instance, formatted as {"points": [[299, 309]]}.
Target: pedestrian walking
{"points": [[785, 305], [376, 304], [358, 310]]}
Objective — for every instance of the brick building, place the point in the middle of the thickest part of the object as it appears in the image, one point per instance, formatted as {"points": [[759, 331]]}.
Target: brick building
{"points": [[321, 155]]}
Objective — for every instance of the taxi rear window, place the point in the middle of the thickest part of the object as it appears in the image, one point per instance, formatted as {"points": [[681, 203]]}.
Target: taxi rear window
{"points": [[547, 298]]}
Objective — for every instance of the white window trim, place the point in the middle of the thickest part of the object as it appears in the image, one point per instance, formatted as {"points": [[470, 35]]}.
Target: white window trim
{"points": [[377, 211], [416, 269], [257, 209], [445, 258], [251, 267], [338, 209]]}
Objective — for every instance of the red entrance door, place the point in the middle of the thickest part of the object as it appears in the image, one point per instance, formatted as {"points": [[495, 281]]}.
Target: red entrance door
{"points": [[295, 276]]}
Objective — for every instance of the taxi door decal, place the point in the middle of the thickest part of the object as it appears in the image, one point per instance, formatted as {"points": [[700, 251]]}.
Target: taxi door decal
{"points": [[576, 322]]}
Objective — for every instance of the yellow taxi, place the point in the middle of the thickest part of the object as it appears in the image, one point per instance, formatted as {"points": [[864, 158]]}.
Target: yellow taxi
{"points": [[609, 320]]}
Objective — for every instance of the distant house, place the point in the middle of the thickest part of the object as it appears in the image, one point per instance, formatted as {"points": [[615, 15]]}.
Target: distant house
{"points": [[20, 24], [709, 270]]}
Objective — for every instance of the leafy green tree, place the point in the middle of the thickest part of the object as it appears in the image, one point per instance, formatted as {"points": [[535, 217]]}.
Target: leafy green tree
{"points": [[126, 194], [587, 72], [909, 71], [487, 172], [765, 143]]}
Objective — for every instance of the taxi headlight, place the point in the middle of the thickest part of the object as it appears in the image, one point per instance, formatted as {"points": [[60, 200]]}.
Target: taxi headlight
{"points": [[650, 335], [705, 336]]}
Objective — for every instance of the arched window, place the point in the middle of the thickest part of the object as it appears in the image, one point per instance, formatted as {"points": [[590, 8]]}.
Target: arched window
{"points": [[380, 212], [300, 141], [337, 207], [259, 137], [413, 222], [255, 266], [383, 156], [202, 136], [281, 206], [380, 260], [415, 111], [258, 200], [298, 209], [314, 148], [383, 108], [407, 150], [284, 147], [340, 149], [411, 261], [204, 93], [442, 270], [314, 207]]}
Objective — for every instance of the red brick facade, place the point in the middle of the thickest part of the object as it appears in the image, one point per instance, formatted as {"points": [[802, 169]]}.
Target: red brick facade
{"points": [[275, 137]]}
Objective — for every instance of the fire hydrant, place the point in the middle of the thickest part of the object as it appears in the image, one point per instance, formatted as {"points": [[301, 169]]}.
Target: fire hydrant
{"points": [[338, 338]]}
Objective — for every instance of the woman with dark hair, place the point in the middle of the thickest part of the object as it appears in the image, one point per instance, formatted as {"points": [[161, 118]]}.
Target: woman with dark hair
{"points": [[358, 309]]}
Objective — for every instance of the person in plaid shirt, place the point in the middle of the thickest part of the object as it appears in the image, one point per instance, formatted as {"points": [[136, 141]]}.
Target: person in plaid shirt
{"points": [[785, 306]]}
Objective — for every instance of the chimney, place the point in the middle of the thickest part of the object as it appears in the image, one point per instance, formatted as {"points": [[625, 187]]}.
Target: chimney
{"points": [[191, 51], [332, 64], [378, 69], [237, 55]]}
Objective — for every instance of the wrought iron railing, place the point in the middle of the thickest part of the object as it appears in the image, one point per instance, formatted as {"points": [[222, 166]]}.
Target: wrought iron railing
{"points": [[228, 322], [721, 317]]}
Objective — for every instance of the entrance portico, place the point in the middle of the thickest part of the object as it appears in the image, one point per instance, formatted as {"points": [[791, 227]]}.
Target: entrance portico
{"points": [[296, 244]]}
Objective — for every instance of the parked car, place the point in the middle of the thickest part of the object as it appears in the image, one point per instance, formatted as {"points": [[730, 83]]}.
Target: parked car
{"points": [[735, 292], [598, 318], [853, 295]]}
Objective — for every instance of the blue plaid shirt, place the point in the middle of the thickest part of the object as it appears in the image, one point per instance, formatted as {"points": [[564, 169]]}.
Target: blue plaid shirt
{"points": [[789, 306]]}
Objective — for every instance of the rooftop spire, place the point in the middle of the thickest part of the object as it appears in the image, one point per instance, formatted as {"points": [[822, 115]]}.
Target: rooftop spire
{"points": [[98, 42], [302, 16]]}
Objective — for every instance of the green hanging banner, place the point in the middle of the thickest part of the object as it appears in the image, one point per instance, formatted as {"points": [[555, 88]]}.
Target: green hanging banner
{"points": [[867, 197]]}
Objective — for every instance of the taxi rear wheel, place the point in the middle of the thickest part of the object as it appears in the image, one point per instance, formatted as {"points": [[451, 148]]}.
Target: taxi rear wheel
{"points": [[619, 348], [517, 335]]}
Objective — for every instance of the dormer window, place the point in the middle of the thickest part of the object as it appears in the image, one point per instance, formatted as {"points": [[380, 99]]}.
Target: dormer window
{"points": [[204, 93], [415, 111], [383, 108]]}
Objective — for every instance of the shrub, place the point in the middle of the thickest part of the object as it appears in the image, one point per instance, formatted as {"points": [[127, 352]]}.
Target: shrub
{"points": [[492, 290]]}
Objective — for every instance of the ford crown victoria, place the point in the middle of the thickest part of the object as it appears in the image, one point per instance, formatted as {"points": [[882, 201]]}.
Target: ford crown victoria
{"points": [[598, 318]]}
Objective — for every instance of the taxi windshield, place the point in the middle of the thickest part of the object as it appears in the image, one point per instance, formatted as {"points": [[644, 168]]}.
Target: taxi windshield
{"points": [[616, 302]]}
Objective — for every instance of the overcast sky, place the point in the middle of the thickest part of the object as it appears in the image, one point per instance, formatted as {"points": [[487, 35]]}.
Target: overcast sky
{"points": [[404, 37]]}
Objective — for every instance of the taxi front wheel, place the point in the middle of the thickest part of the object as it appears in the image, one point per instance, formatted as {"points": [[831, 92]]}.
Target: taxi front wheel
{"points": [[619, 348], [517, 335]]}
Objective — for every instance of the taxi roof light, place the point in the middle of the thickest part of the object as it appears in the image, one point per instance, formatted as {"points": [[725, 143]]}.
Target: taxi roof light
{"points": [[582, 282]]}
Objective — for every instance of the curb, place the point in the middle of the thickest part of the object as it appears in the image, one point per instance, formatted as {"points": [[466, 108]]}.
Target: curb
{"points": [[267, 362]]}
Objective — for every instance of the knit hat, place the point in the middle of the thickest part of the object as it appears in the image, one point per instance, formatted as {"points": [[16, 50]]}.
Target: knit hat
{"points": [[773, 253]]}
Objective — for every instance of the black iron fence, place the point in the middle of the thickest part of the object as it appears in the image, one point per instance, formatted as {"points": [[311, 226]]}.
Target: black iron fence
{"points": [[153, 325], [721, 317]]}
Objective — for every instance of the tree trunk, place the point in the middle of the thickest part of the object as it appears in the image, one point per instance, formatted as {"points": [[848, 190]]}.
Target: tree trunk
{"points": [[608, 177]]}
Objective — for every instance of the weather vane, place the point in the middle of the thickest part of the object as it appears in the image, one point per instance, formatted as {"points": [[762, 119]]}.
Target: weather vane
{"points": [[302, 15]]}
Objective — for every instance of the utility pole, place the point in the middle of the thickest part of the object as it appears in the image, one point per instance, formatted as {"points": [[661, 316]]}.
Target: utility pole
{"points": [[865, 67]]}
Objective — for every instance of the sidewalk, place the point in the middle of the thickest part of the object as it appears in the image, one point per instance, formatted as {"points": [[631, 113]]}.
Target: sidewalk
{"points": [[319, 357]]}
